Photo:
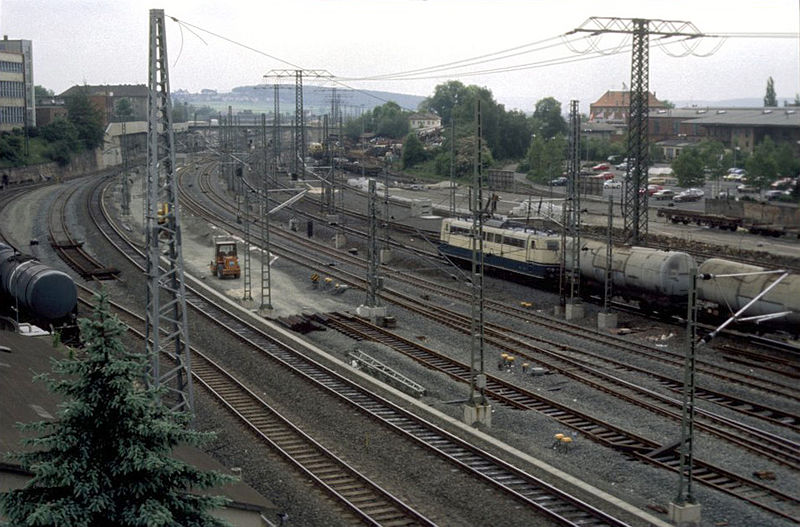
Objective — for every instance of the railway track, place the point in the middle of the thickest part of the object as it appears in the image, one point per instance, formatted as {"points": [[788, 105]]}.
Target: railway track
{"points": [[366, 501], [525, 316], [637, 447], [764, 444], [758, 411], [541, 496], [68, 248]]}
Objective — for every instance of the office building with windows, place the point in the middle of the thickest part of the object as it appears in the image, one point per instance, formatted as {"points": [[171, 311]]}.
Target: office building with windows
{"points": [[25, 49], [12, 91]]}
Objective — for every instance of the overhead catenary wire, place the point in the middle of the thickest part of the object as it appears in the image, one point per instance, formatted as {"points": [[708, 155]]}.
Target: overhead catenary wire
{"points": [[445, 70], [463, 63]]}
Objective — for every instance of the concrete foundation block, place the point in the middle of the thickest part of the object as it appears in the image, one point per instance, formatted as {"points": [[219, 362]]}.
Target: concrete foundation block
{"points": [[339, 240], [573, 311], [385, 256], [478, 413], [374, 314], [606, 320], [558, 311], [686, 515]]}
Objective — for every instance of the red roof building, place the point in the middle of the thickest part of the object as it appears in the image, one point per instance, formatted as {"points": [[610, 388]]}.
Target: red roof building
{"points": [[613, 107]]}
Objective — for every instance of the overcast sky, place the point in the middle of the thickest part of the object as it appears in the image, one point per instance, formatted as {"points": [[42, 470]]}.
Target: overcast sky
{"points": [[106, 42]]}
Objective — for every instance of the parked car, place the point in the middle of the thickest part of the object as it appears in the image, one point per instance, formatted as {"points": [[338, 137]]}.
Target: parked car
{"points": [[652, 189], [560, 181], [691, 194], [746, 189], [783, 183], [776, 194], [612, 183], [614, 159], [604, 175], [664, 193], [601, 166]]}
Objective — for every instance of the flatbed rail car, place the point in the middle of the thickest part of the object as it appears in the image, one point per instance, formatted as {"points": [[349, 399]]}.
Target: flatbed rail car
{"points": [[727, 223], [700, 218]]}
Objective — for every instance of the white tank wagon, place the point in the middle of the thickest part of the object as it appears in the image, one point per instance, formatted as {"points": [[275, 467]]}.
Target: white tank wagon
{"points": [[727, 295], [38, 289], [637, 272]]}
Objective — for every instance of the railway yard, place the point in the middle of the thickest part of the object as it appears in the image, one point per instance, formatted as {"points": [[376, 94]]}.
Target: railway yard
{"points": [[332, 442]]}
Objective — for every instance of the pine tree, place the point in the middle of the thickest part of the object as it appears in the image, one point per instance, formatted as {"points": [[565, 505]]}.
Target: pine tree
{"points": [[107, 459]]}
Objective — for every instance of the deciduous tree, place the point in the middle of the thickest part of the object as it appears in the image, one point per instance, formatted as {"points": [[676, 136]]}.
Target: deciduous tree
{"points": [[769, 98], [688, 167], [86, 118], [547, 119], [762, 167], [546, 157], [413, 151]]}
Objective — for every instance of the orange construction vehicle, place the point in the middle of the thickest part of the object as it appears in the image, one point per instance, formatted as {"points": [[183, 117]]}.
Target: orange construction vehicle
{"points": [[226, 262]]}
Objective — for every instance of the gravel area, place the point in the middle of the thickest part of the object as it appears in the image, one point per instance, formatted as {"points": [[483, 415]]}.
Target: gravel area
{"points": [[401, 466]]}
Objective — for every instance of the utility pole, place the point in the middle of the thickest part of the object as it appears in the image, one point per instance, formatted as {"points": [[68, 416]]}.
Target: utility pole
{"points": [[371, 309], [126, 191], [386, 251], [635, 201], [299, 128], [606, 319], [245, 216], [229, 149], [574, 308], [452, 165], [477, 409], [266, 286], [165, 311], [276, 130]]}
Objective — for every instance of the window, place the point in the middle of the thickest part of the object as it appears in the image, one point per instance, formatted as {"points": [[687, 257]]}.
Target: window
{"points": [[14, 90], [10, 67], [11, 114], [552, 245], [513, 242]]}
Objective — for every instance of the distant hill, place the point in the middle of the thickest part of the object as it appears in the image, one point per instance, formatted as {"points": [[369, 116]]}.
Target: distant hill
{"points": [[316, 99]]}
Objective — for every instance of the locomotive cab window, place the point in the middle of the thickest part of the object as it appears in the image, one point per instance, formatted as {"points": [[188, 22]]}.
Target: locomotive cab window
{"points": [[552, 245]]}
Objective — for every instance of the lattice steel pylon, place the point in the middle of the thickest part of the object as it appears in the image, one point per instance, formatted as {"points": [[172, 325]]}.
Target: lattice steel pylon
{"points": [[298, 157], [636, 214], [165, 314], [246, 272], [477, 377], [266, 286], [299, 126], [635, 202], [574, 199], [126, 191], [276, 129], [373, 258]]}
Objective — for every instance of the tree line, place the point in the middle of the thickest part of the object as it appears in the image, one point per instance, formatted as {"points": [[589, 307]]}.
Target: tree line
{"points": [[82, 129]]}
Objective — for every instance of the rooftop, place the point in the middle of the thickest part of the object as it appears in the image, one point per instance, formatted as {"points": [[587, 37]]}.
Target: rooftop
{"points": [[115, 90], [777, 116], [622, 99]]}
